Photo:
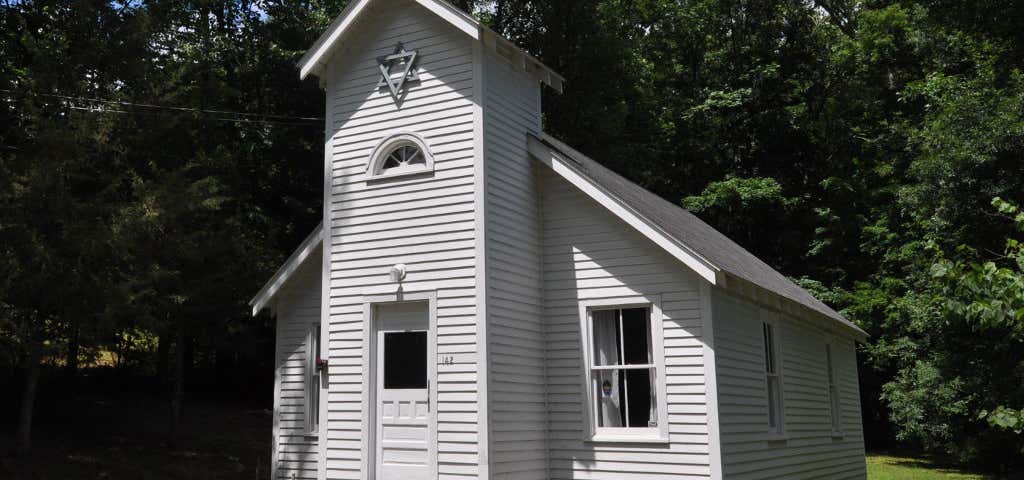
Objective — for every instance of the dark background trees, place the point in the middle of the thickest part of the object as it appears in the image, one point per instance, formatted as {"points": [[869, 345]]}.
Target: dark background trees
{"points": [[158, 159]]}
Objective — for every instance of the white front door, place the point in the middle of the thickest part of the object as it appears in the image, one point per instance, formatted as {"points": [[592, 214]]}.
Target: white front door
{"points": [[404, 437]]}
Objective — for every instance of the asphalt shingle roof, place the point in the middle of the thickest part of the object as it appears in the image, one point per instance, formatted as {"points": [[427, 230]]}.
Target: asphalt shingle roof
{"points": [[691, 231]]}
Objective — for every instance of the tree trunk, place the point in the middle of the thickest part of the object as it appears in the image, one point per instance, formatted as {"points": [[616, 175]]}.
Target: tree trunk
{"points": [[178, 385], [163, 359], [23, 441]]}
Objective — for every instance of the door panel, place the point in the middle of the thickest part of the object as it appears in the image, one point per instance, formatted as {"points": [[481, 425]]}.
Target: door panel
{"points": [[404, 436]]}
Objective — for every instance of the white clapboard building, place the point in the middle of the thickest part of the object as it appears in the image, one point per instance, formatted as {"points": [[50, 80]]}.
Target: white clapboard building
{"points": [[482, 301]]}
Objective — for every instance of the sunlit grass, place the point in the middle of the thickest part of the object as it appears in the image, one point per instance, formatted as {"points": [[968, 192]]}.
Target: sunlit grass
{"points": [[884, 467]]}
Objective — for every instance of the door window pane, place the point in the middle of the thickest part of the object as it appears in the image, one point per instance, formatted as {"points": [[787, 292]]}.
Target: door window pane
{"points": [[405, 360]]}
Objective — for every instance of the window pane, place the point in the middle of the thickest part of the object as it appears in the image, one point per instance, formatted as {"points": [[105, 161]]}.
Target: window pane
{"points": [[769, 348], [609, 395], [312, 379], [405, 360], [606, 337], [833, 393], [316, 343], [314, 404], [640, 398], [636, 336], [828, 362], [774, 402]]}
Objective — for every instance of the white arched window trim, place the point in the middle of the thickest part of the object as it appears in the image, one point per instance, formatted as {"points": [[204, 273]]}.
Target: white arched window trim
{"points": [[378, 158]]}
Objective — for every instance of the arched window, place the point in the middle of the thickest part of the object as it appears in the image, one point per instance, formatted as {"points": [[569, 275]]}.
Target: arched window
{"points": [[400, 154]]}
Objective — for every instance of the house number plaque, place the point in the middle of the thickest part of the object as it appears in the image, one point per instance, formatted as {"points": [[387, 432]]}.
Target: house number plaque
{"points": [[452, 359]]}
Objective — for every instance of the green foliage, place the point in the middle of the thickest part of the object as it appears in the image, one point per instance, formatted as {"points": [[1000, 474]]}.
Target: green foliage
{"points": [[854, 145], [1006, 418], [843, 142]]}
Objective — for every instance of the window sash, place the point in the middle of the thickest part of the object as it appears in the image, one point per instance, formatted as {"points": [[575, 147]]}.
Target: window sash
{"points": [[312, 400], [645, 366], [835, 406], [654, 365], [773, 380]]}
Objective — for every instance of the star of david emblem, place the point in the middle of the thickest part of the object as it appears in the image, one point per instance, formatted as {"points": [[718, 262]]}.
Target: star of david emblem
{"points": [[397, 69]]}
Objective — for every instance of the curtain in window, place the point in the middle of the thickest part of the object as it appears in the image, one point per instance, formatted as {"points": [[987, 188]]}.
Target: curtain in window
{"points": [[606, 352]]}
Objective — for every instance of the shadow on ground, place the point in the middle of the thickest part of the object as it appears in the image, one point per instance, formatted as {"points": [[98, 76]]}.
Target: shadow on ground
{"points": [[125, 438]]}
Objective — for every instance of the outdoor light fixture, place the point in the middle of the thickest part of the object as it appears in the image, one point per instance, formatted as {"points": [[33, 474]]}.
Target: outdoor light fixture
{"points": [[398, 272]]}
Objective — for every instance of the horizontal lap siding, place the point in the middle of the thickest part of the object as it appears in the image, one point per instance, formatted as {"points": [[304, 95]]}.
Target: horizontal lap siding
{"points": [[809, 451], [514, 330], [298, 307], [425, 222], [590, 254]]}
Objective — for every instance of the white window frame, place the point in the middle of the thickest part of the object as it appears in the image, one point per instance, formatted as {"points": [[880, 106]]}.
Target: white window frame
{"points": [[773, 372], [375, 169], [311, 400], [593, 433], [835, 403]]}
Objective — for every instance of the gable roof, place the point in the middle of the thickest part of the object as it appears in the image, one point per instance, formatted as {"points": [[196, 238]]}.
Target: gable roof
{"points": [[315, 58], [283, 274], [722, 255]]}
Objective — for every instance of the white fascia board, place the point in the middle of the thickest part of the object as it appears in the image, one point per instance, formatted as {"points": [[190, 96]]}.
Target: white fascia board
{"points": [[454, 16], [698, 264], [323, 46], [270, 289]]}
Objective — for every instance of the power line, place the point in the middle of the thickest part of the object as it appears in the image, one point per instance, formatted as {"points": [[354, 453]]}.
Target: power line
{"points": [[233, 120], [172, 108]]}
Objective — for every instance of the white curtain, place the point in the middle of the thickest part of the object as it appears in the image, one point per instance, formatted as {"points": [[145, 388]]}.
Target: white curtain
{"points": [[606, 352]]}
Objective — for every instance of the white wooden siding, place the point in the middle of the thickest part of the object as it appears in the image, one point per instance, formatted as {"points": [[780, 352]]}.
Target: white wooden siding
{"points": [[808, 450], [298, 307], [424, 222], [590, 254], [518, 414]]}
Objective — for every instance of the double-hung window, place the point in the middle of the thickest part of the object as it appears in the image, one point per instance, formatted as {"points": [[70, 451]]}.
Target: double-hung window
{"points": [[773, 379], [625, 373], [312, 414], [835, 409]]}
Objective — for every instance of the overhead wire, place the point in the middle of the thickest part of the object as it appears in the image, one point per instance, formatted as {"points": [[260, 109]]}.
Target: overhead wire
{"points": [[243, 117]]}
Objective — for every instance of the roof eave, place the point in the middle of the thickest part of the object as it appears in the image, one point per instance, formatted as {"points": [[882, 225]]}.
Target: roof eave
{"points": [[314, 60], [742, 287], [700, 265], [280, 278], [551, 156]]}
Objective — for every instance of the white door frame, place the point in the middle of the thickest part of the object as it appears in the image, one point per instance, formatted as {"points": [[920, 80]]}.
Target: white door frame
{"points": [[369, 421]]}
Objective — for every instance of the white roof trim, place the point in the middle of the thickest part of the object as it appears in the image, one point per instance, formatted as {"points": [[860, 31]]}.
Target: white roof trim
{"points": [[298, 257], [315, 58], [697, 263]]}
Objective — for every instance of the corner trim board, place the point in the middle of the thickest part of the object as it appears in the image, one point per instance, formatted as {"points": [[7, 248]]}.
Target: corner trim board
{"points": [[325, 285], [711, 381], [480, 253]]}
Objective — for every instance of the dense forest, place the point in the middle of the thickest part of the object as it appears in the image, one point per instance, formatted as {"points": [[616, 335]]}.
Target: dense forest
{"points": [[160, 158]]}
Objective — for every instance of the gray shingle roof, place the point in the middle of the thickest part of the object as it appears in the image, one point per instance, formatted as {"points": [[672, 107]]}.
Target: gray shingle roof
{"points": [[686, 228]]}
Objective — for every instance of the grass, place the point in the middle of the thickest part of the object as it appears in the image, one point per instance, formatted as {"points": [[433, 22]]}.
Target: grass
{"points": [[885, 467]]}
